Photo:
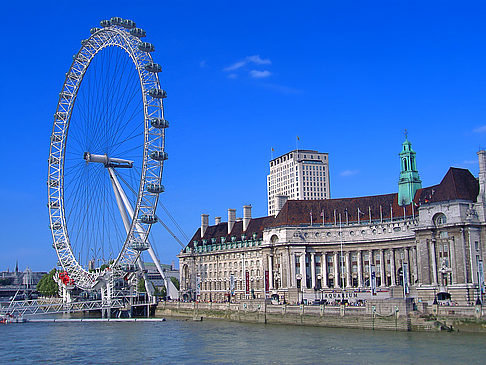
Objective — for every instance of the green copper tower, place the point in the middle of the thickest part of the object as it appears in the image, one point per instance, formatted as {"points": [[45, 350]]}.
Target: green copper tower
{"points": [[409, 181]]}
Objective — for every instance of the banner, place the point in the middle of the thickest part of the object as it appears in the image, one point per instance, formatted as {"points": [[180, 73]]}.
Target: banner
{"points": [[267, 286], [232, 284], [198, 285], [406, 288], [247, 282], [372, 279], [481, 277]]}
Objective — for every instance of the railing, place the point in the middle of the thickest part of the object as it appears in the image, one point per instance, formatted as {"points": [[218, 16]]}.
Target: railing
{"points": [[41, 306]]}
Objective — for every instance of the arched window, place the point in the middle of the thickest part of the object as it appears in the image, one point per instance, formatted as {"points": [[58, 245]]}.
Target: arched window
{"points": [[440, 219]]}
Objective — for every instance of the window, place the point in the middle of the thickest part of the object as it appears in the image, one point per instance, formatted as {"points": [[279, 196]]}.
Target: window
{"points": [[440, 219]]}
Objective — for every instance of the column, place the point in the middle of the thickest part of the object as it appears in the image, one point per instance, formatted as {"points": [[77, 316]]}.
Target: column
{"points": [[324, 269], [415, 267], [382, 268], [270, 272], [313, 270], [407, 259], [360, 270], [434, 261], [348, 270], [336, 270], [292, 269], [370, 262], [453, 264], [392, 267], [303, 281]]}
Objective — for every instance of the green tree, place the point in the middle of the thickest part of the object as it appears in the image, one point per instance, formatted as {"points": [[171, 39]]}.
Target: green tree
{"points": [[175, 281], [47, 286], [141, 286]]}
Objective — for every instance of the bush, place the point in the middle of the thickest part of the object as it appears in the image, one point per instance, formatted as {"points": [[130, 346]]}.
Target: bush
{"points": [[47, 286]]}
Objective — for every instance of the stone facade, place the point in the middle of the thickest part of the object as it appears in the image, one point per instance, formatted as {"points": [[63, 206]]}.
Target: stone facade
{"points": [[329, 249]]}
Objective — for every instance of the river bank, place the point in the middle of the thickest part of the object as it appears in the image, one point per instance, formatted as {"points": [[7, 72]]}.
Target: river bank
{"points": [[391, 315]]}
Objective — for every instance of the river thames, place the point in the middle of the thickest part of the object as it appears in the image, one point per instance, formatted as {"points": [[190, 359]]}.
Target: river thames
{"points": [[209, 342]]}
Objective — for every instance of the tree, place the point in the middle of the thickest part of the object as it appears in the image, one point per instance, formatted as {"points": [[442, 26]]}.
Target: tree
{"points": [[141, 286], [175, 281], [47, 286]]}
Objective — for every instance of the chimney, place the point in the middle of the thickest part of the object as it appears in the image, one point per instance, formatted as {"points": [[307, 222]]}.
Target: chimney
{"points": [[482, 176], [217, 220], [231, 219], [246, 216], [204, 224], [280, 201]]}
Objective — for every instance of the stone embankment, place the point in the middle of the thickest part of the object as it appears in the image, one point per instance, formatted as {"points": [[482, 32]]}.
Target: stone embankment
{"points": [[391, 314]]}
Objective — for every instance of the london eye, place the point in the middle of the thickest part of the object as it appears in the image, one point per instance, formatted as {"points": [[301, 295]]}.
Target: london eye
{"points": [[106, 156]]}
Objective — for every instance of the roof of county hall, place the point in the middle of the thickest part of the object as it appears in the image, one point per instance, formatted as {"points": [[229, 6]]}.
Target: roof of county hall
{"points": [[457, 184]]}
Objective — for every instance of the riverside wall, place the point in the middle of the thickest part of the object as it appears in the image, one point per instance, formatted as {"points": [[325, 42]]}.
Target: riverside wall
{"points": [[390, 314]]}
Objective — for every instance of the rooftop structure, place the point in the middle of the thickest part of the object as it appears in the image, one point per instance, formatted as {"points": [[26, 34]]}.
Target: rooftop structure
{"points": [[297, 175]]}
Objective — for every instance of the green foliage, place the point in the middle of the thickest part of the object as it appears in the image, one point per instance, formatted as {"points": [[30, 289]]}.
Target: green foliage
{"points": [[141, 286], [175, 281], [47, 286]]}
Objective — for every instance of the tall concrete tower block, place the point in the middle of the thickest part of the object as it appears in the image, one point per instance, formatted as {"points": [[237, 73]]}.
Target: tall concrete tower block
{"points": [[409, 181], [482, 176]]}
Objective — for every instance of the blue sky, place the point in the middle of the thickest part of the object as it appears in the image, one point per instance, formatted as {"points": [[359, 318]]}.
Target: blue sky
{"points": [[347, 77]]}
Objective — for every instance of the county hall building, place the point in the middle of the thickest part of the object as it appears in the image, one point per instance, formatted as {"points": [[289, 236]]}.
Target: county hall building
{"points": [[429, 240]]}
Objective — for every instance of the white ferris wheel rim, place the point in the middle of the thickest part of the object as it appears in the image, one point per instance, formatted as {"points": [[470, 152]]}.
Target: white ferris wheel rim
{"points": [[117, 35]]}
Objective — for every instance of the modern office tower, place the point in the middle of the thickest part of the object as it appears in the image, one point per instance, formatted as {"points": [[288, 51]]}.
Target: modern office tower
{"points": [[297, 175]]}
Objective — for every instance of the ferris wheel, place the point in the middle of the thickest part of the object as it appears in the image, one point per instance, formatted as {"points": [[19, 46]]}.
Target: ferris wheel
{"points": [[106, 156]]}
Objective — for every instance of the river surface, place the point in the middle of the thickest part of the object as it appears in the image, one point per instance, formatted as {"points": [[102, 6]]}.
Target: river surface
{"points": [[219, 342]]}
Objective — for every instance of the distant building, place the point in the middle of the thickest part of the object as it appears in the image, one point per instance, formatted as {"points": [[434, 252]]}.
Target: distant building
{"points": [[154, 276], [11, 281], [297, 175], [429, 242]]}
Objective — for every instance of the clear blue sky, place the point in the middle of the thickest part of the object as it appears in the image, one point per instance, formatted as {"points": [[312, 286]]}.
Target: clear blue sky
{"points": [[242, 77]]}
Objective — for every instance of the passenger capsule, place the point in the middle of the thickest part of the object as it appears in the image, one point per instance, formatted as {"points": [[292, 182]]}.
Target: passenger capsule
{"points": [[137, 32], [159, 156], [159, 123], [139, 246], [128, 24], [65, 95], [116, 20], [94, 30], [53, 160], [53, 204], [146, 47], [128, 267], [153, 67], [155, 188], [57, 245], [157, 93], [105, 23], [53, 183], [72, 77], [148, 219], [56, 226], [61, 115]]}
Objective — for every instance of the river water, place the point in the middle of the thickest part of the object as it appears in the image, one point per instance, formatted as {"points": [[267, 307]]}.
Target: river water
{"points": [[210, 342]]}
